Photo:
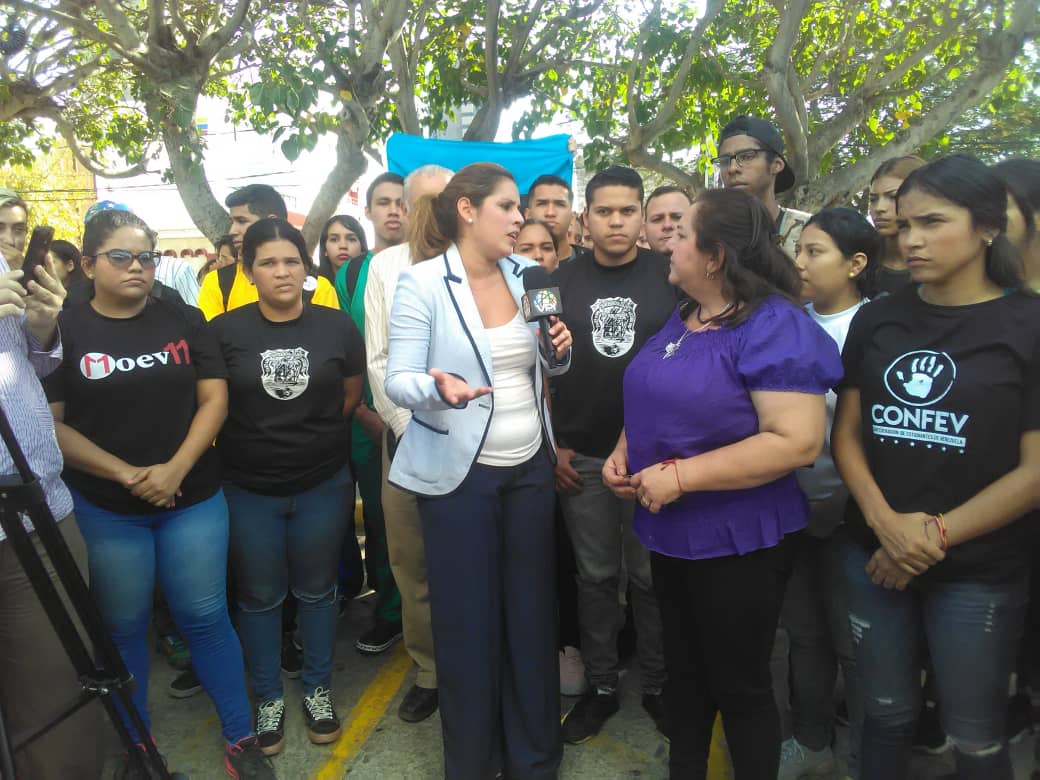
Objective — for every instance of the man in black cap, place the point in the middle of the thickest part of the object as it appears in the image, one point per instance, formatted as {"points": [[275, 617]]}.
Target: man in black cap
{"points": [[751, 156]]}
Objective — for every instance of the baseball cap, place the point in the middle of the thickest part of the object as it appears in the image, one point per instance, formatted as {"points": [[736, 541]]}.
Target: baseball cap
{"points": [[766, 134], [103, 205]]}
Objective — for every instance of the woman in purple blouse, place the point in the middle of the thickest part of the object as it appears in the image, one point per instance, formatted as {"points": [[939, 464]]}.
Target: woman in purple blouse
{"points": [[721, 406]]}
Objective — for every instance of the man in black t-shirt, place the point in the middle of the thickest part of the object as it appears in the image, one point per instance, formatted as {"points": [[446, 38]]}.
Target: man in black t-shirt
{"points": [[615, 297]]}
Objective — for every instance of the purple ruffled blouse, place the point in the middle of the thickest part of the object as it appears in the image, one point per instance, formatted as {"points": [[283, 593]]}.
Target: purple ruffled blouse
{"points": [[698, 400]]}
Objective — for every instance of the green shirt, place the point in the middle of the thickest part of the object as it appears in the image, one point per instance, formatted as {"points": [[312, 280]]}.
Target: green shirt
{"points": [[362, 448]]}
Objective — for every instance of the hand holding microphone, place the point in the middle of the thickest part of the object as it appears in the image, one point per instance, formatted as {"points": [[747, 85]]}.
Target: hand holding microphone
{"points": [[541, 304]]}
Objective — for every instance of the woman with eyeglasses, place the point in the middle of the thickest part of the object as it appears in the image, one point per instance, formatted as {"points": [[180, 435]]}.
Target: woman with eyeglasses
{"points": [[137, 404]]}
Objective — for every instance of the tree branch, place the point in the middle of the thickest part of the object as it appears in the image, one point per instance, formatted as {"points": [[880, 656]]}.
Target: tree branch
{"points": [[781, 85], [213, 42], [68, 132], [121, 25]]}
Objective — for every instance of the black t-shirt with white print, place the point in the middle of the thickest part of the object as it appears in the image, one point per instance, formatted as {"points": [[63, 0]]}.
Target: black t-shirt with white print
{"points": [[946, 394], [129, 386], [611, 312], [285, 431]]}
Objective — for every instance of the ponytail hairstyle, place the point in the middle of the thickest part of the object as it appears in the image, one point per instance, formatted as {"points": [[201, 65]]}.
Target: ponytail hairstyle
{"points": [[433, 224], [852, 233], [737, 227], [272, 229], [968, 183]]}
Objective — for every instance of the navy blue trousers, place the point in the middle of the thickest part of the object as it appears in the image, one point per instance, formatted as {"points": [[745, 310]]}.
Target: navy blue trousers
{"points": [[491, 567]]}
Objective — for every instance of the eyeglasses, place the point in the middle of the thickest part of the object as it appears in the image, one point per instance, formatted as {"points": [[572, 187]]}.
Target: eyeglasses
{"points": [[122, 258], [743, 157]]}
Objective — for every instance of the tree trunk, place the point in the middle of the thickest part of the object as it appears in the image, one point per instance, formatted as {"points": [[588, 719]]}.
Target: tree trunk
{"points": [[184, 148], [350, 164]]}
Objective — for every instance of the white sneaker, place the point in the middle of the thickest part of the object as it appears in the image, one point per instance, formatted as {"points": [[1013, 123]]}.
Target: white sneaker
{"points": [[572, 672], [797, 761]]}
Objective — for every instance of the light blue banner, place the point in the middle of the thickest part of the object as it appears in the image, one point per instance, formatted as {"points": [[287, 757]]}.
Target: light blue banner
{"points": [[526, 160]]}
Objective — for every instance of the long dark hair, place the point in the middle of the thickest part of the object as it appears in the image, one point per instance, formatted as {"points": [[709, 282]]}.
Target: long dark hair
{"points": [[271, 229], [434, 222], [351, 224], [967, 182], [737, 225]]}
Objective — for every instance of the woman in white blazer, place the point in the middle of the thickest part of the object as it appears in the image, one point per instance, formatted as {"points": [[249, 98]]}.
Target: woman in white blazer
{"points": [[479, 455]]}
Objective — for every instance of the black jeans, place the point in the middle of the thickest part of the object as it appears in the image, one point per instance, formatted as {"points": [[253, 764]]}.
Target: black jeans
{"points": [[719, 617]]}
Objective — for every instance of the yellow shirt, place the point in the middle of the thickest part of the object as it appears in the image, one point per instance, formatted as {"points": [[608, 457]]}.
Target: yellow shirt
{"points": [[211, 299]]}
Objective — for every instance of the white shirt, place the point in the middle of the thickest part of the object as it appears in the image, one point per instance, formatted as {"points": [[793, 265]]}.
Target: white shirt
{"points": [[383, 270], [515, 433], [181, 276], [822, 480]]}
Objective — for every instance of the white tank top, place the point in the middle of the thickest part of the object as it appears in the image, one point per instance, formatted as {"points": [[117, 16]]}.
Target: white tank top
{"points": [[516, 432]]}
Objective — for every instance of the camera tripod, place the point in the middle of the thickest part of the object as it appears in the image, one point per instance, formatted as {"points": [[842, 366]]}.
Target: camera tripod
{"points": [[102, 673]]}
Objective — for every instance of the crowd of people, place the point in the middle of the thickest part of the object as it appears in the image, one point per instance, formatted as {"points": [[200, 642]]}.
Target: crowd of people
{"points": [[752, 432]]}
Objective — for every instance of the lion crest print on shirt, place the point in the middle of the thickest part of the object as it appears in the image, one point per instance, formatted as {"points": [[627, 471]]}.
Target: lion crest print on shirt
{"points": [[284, 373], [613, 325]]}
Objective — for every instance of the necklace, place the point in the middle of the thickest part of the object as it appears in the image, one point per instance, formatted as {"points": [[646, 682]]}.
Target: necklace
{"points": [[673, 346]]}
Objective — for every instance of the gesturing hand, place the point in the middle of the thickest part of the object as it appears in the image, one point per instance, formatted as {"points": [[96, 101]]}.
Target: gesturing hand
{"points": [[453, 390], [46, 295]]}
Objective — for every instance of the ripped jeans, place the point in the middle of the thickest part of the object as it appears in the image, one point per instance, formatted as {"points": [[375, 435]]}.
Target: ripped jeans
{"points": [[973, 631]]}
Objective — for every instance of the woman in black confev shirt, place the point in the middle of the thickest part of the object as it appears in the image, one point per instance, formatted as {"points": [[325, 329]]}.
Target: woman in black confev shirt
{"points": [[295, 376], [137, 403], [937, 436]]}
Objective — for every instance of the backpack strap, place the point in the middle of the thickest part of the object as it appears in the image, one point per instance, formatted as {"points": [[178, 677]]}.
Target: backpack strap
{"points": [[226, 280]]}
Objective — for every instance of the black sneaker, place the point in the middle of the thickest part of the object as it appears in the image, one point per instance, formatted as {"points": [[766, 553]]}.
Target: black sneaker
{"points": [[185, 685], [929, 737], [587, 717], [292, 658], [653, 703], [270, 726], [1019, 717], [245, 760], [323, 724], [418, 704], [379, 638]]}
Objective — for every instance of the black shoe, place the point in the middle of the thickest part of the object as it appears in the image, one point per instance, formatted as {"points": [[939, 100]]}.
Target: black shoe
{"points": [[653, 703], [246, 761], [292, 658], [587, 717], [418, 704], [323, 724], [185, 685], [930, 737], [270, 726], [1019, 717], [380, 637]]}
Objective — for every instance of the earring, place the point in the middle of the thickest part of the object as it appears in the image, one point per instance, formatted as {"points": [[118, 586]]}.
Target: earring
{"points": [[709, 275], [989, 242], [470, 220]]}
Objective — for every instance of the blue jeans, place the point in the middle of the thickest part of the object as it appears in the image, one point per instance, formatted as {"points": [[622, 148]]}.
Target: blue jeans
{"points": [[186, 551], [972, 630], [491, 565], [280, 543]]}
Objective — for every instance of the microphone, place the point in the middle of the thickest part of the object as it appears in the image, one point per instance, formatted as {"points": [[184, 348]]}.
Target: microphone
{"points": [[540, 301]]}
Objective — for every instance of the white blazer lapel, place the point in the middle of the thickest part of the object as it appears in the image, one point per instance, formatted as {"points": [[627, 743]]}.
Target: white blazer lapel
{"points": [[466, 309]]}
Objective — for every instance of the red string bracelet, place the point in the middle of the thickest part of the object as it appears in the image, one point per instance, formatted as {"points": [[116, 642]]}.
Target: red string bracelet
{"points": [[671, 462]]}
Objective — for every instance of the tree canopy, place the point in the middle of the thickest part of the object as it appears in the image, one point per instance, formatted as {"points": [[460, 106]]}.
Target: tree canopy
{"points": [[849, 83]]}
